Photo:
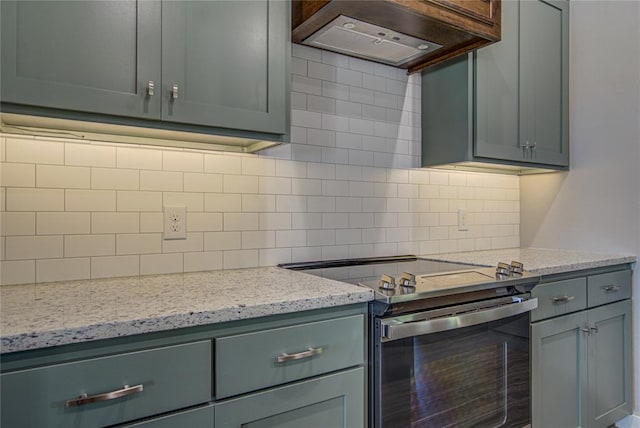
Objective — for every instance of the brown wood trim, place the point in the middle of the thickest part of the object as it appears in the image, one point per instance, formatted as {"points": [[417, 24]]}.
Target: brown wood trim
{"points": [[460, 50]]}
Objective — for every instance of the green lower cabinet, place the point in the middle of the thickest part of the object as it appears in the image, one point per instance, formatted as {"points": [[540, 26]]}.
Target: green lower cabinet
{"points": [[201, 417], [581, 368], [334, 401], [610, 379]]}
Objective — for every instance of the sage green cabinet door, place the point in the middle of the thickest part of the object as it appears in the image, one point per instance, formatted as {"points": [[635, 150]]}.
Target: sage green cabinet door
{"points": [[90, 56], [335, 401], [609, 364], [224, 63], [558, 374], [496, 81], [544, 81]]}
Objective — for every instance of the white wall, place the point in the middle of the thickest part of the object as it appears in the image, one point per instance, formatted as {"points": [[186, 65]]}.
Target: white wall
{"points": [[595, 206], [344, 187]]}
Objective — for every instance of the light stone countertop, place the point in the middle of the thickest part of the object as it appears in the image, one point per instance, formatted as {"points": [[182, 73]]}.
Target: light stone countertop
{"points": [[43, 315], [537, 260]]}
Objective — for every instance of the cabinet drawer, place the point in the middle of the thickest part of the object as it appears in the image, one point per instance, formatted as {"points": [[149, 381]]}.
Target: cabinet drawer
{"points": [[332, 401], [201, 417], [558, 298], [248, 362], [608, 287], [171, 377]]}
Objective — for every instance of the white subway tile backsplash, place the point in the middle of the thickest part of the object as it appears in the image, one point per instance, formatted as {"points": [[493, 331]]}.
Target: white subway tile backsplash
{"points": [[321, 71], [258, 203], [138, 243], [102, 222], [89, 245], [152, 222], [17, 272], [182, 161], [344, 187], [32, 151], [335, 90], [34, 199], [220, 202], [198, 182], [222, 164], [161, 263], [306, 52], [237, 259], [258, 166], [240, 221], [240, 184], [33, 247], [65, 177], [138, 201], [193, 243], [298, 66], [17, 175], [306, 221], [274, 256], [306, 119], [222, 241], [258, 239], [90, 200], [115, 266], [161, 181], [63, 269], [138, 158], [63, 223], [275, 221], [192, 201], [115, 178], [201, 261], [291, 238], [89, 155], [17, 223], [204, 222]]}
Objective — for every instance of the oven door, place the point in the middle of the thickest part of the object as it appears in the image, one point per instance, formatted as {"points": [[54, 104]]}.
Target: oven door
{"points": [[460, 366]]}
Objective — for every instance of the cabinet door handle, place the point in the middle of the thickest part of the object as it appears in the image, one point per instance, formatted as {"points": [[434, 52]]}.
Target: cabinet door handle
{"points": [[562, 299], [105, 396], [610, 288], [594, 329], [586, 330], [310, 352], [151, 88], [174, 92]]}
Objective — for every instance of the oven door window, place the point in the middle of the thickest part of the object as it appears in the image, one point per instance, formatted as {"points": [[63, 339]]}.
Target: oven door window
{"points": [[470, 377]]}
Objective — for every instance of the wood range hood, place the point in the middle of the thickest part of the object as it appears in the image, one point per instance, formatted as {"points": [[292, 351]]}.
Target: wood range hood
{"points": [[410, 34]]}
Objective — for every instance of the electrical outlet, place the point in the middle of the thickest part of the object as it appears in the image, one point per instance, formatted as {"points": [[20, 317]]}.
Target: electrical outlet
{"points": [[175, 222], [463, 219]]}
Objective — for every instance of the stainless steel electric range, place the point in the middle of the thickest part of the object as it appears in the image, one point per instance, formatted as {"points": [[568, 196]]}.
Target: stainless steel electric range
{"points": [[448, 343]]}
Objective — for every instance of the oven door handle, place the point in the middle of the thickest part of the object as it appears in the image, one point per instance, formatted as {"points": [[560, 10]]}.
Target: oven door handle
{"points": [[394, 329]]}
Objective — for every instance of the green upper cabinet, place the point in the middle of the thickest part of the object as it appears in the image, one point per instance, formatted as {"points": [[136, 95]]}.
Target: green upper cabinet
{"points": [[210, 67], [223, 63], [506, 105], [92, 56]]}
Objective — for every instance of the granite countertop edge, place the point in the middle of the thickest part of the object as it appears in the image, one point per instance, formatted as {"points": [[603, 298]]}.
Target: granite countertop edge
{"points": [[336, 294], [542, 261]]}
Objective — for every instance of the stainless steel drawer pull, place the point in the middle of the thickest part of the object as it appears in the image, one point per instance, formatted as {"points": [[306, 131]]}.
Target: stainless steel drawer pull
{"points": [[310, 352], [610, 288], [86, 399], [174, 92], [562, 299], [151, 88]]}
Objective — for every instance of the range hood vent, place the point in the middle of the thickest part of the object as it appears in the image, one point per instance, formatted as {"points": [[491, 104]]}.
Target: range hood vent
{"points": [[357, 38], [409, 34]]}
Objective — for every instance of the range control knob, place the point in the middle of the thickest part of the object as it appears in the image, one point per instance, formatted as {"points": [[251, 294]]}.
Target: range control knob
{"points": [[408, 280], [516, 267], [503, 269], [387, 282]]}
